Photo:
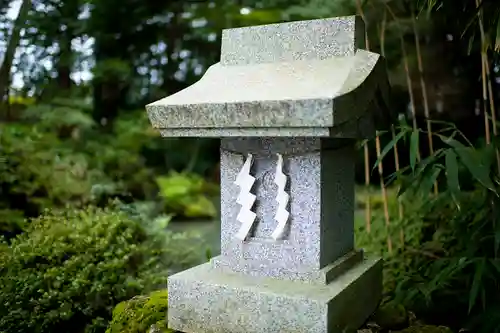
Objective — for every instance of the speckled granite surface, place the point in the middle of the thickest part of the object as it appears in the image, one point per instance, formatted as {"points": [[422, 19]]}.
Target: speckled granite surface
{"points": [[203, 300], [305, 78], [321, 189]]}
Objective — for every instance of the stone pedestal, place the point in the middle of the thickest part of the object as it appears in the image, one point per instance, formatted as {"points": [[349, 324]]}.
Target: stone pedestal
{"points": [[312, 271], [289, 102], [205, 300]]}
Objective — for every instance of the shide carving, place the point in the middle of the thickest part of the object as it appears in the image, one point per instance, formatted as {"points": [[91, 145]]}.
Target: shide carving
{"points": [[282, 197], [246, 199]]}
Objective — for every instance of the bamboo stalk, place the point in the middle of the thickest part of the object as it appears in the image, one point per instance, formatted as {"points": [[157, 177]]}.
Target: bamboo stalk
{"points": [[396, 153], [411, 97], [408, 77], [487, 92], [424, 89], [368, 209], [384, 196], [488, 97], [412, 104], [484, 60], [395, 149], [492, 108], [377, 144], [485, 100]]}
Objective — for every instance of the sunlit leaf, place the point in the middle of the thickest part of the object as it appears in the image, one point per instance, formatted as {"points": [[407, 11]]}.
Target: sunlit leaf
{"points": [[262, 16]]}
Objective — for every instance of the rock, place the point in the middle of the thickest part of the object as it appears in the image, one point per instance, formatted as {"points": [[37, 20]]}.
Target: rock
{"points": [[391, 317], [426, 329], [141, 314]]}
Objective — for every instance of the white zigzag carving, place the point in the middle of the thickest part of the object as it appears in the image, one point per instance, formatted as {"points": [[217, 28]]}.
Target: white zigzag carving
{"points": [[282, 198], [246, 199]]}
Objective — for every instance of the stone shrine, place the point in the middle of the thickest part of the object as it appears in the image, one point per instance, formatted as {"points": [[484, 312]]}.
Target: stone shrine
{"points": [[289, 102]]}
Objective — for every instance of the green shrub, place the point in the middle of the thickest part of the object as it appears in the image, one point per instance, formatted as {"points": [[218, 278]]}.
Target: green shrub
{"points": [[119, 155], [40, 165], [188, 195], [69, 270], [39, 171], [11, 222], [53, 155], [140, 313]]}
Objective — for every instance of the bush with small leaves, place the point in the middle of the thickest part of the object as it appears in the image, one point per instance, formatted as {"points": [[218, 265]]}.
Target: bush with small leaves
{"points": [[69, 269]]}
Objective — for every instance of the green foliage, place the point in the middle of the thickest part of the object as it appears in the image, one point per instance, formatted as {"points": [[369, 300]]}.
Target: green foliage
{"points": [[70, 269], [39, 171], [11, 222], [448, 267], [486, 14], [391, 317], [120, 156], [44, 165], [138, 314], [114, 69], [188, 195], [60, 114], [54, 156], [21, 100], [322, 8]]}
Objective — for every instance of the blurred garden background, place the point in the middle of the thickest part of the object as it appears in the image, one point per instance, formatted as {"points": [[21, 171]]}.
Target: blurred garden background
{"points": [[96, 209]]}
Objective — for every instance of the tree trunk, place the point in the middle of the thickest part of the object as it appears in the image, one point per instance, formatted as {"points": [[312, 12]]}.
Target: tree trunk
{"points": [[15, 37], [69, 14], [64, 64]]}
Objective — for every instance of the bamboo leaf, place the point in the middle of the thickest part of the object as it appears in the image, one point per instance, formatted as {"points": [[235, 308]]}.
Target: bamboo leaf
{"points": [[476, 167], [405, 185], [473, 161], [414, 148], [452, 174], [388, 148], [476, 283], [451, 142], [429, 178], [424, 170]]}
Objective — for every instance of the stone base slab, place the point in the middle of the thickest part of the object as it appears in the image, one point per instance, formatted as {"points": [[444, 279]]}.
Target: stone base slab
{"points": [[260, 269], [205, 300]]}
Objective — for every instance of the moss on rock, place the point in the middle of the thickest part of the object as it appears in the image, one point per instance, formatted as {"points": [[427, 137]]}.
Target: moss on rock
{"points": [[391, 317], [140, 313]]}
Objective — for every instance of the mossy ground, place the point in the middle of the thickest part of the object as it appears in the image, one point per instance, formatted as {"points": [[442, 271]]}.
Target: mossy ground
{"points": [[140, 313]]}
